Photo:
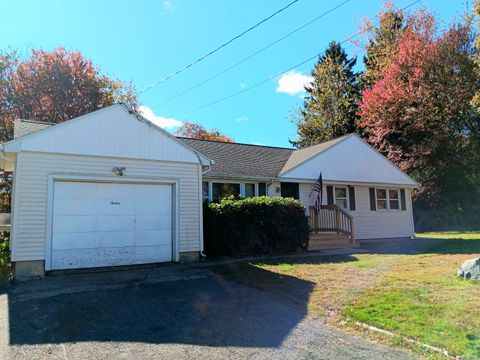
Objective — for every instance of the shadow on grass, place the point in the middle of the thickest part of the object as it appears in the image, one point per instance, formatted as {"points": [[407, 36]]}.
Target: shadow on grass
{"points": [[286, 288], [421, 245]]}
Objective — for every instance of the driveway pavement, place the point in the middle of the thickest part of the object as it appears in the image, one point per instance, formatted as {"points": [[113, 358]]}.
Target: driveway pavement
{"points": [[164, 313]]}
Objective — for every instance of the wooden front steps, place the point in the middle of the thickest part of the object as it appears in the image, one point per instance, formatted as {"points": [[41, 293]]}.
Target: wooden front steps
{"points": [[326, 241]]}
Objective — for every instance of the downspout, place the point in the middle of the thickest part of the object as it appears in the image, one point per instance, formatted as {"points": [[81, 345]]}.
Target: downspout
{"points": [[202, 249]]}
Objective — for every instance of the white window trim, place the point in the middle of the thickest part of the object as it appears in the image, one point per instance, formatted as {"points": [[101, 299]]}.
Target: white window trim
{"points": [[348, 196], [242, 186], [387, 199]]}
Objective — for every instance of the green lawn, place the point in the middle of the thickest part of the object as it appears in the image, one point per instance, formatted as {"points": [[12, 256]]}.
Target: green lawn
{"points": [[414, 296]]}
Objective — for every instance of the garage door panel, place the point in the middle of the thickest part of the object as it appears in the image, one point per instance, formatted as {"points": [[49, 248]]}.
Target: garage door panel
{"points": [[153, 237], [154, 192], [153, 207], [104, 224], [115, 207], [115, 223], [74, 207], [151, 254], [118, 256], [78, 240], [75, 258], [79, 190], [115, 191], [111, 239], [153, 222], [74, 223]]}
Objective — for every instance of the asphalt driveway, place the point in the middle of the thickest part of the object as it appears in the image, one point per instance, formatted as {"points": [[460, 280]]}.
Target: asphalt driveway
{"points": [[165, 314]]}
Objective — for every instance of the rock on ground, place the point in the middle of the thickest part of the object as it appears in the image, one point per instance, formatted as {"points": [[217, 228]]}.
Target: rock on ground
{"points": [[470, 269]]}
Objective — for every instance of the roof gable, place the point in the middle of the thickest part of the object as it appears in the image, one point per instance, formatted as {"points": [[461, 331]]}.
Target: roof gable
{"points": [[113, 131], [299, 156], [349, 159]]}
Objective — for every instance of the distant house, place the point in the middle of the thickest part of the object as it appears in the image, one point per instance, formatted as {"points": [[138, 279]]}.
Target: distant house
{"points": [[110, 188]]}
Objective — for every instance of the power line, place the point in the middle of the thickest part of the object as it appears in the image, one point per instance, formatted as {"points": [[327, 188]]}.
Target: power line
{"points": [[276, 75], [251, 55], [175, 73]]}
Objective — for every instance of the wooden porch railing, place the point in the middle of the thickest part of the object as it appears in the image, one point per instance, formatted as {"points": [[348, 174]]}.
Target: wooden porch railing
{"points": [[331, 218]]}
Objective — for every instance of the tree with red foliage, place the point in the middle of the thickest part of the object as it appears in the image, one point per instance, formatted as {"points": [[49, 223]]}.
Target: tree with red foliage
{"points": [[197, 131], [55, 86], [420, 115]]}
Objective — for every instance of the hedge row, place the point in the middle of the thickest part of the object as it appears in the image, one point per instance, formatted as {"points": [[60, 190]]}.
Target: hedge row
{"points": [[253, 226]]}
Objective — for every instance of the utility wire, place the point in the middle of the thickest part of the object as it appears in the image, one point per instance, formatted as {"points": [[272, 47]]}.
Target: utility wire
{"points": [[175, 73], [251, 55], [276, 75]]}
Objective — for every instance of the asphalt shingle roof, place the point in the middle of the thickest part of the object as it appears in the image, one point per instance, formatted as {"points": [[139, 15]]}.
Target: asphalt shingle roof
{"points": [[233, 159]]}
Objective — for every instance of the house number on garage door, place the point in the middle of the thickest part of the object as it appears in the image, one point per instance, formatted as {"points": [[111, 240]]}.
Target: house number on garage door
{"points": [[114, 202]]}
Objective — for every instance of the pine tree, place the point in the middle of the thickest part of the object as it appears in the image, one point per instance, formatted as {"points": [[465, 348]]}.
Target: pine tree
{"points": [[382, 44], [330, 105]]}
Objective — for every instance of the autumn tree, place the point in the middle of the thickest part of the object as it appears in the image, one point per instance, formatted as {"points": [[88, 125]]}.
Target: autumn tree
{"points": [[419, 114], [52, 86], [57, 86], [197, 131], [330, 104]]}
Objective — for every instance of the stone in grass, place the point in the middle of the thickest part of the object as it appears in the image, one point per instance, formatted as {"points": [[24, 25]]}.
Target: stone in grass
{"points": [[470, 269]]}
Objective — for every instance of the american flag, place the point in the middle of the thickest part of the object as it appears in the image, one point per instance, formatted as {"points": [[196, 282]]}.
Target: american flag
{"points": [[318, 188]]}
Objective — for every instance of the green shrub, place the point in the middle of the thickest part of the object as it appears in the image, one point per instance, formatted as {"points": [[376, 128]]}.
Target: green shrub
{"points": [[260, 225], [6, 272]]}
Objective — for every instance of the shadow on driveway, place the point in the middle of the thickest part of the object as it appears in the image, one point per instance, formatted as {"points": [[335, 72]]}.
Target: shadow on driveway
{"points": [[209, 311]]}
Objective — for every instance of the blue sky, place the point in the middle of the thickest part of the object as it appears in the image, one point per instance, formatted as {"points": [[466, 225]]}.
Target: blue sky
{"points": [[145, 40]]}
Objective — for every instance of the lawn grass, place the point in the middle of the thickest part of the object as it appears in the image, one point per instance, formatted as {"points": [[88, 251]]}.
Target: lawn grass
{"points": [[415, 296]]}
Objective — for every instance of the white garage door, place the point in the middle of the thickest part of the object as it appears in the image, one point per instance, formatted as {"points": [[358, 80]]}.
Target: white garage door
{"points": [[105, 224]]}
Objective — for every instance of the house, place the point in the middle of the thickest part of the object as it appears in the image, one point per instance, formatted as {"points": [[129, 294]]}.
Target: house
{"points": [[110, 188]]}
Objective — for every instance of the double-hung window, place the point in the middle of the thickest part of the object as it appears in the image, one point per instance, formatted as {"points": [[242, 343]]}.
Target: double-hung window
{"points": [[388, 199], [341, 197]]}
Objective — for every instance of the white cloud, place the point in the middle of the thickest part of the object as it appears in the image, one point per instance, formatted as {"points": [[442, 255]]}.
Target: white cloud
{"points": [[241, 119], [168, 5], [243, 85], [161, 121], [293, 83]]}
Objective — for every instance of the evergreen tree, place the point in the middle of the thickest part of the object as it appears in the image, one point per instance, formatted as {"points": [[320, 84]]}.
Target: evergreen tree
{"points": [[382, 44], [330, 105]]}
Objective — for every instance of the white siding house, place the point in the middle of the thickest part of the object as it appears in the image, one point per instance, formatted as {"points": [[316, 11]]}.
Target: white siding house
{"points": [[105, 189], [350, 163], [110, 188]]}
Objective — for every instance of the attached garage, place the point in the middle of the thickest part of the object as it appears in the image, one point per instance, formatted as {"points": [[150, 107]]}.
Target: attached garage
{"points": [[98, 224], [106, 189]]}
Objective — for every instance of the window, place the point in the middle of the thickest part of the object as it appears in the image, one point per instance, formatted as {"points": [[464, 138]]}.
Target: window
{"points": [[262, 189], [393, 199], [205, 190], [289, 190], [249, 190], [221, 190], [381, 199], [388, 199], [341, 197]]}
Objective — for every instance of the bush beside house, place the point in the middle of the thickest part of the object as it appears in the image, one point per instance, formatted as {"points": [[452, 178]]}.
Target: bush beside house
{"points": [[254, 226], [6, 272]]}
